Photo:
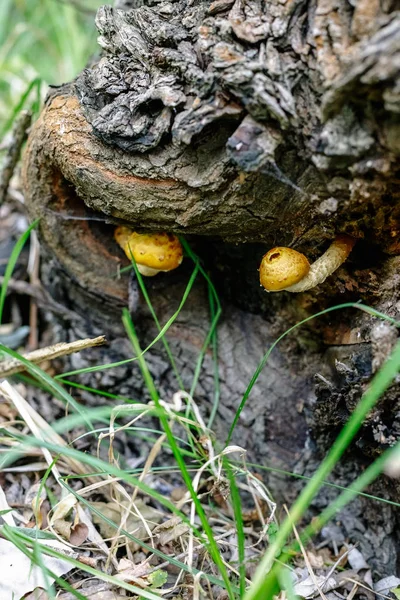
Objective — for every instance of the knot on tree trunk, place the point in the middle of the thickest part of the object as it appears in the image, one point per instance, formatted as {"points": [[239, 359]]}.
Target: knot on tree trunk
{"points": [[305, 97]]}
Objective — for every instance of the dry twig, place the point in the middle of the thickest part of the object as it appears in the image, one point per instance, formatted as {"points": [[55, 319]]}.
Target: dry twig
{"points": [[42, 297], [12, 366]]}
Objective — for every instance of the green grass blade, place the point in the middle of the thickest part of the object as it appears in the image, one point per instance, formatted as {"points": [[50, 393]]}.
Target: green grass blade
{"points": [[34, 84], [26, 541], [212, 545], [49, 382], [266, 356], [325, 483], [156, 339], [86, 388], [150, 549], [101, 467], [16, 251], [237, 511], [365, 479], [5, 11], [214, 344], [286, 583], [216, 312], [157, 322]]}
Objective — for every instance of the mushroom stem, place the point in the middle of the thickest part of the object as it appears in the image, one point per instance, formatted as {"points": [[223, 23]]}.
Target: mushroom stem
{"points": [[318, 271], [326, 264], [147, 271]]}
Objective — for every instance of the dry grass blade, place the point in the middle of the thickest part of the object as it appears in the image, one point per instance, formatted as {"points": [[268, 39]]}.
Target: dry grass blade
{"points": [[7, 390], [367, 588], [306, 559], [12, 366], [40, 428]]}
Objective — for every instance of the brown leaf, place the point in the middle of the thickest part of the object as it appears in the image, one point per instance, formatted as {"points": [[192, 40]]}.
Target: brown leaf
{"points": [[316, 560], [63, 527], [98, 591], [79, 533]]}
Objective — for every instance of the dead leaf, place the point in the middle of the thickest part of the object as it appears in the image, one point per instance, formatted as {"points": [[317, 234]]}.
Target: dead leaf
{"points": [[79, 533], [93, 535], [178, 493], [99, 591], [63, 527], [386, 585], [308, 589], [63, 508], [34, 501], [37, 594], [32, 493], [19, 576], [170, 530], [76, 534], [133, 524], [135, 574], [356, 560], [316, 561]]}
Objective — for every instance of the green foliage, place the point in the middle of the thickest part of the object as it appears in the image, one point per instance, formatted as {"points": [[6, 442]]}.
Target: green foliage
{"points": [[41, 42], [158, 578]]}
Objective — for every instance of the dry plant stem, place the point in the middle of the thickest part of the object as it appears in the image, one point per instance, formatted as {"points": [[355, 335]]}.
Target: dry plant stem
{"points": [[353, 592], [42, 297], [10, 367], [154, 452], [366, 587], [150, 460], [18, 136]]}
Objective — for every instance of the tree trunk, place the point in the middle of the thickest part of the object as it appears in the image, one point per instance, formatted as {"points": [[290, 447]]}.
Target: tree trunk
{"points": [[240, 124]]}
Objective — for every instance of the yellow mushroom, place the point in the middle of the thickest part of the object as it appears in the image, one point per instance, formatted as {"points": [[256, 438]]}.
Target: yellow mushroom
{"points": [[153, 252], [282, 267], [289, 270]]}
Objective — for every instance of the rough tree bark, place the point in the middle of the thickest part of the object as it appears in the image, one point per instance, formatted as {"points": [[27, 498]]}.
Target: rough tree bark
{"points": [[241, 124]]}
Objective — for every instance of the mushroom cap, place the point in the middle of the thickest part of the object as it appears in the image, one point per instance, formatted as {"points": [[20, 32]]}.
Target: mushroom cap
{"points": [[282, 267], [122, 235], [157, 251]]}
